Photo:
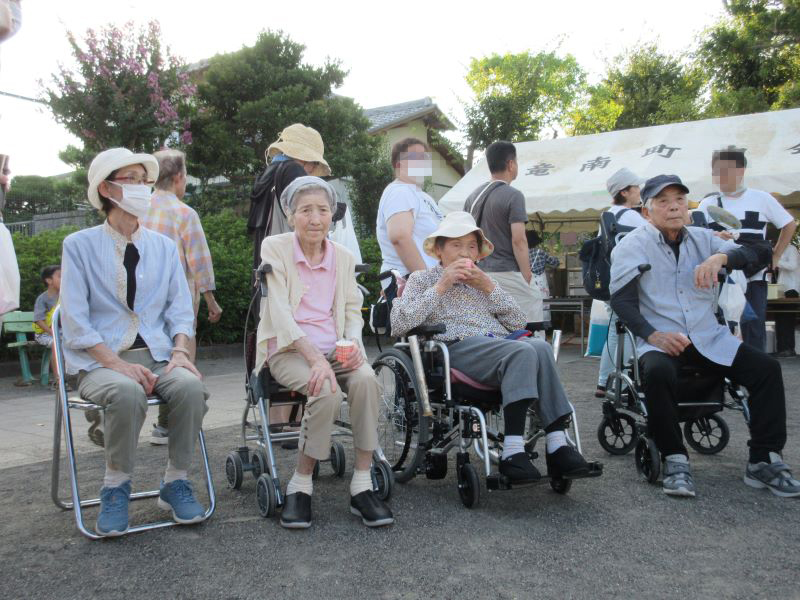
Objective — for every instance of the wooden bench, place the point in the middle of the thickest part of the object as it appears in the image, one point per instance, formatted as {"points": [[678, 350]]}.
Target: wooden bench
{"points": [[21, 324]]}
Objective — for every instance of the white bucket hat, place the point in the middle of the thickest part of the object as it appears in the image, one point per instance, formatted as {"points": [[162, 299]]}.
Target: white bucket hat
{"points": [[112, 159], [454, 225], [303, 143]]}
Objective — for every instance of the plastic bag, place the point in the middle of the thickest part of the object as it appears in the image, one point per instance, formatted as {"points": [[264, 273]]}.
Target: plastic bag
{"points": [[732, 300], [599, 320]]}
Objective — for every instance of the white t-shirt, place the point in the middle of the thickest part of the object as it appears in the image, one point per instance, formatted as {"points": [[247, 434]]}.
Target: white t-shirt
{"points": [[401, 197], [754, 209], [630, 218]]}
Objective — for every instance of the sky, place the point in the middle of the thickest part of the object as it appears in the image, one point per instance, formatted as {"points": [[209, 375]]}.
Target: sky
{"points": [[394, 52]]}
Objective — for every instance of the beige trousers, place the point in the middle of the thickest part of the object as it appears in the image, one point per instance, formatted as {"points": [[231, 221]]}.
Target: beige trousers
{"points": [[527, 295], [291, 370], [125, 405]]}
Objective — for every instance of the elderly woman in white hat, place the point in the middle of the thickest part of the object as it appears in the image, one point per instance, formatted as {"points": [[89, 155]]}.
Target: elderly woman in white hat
{"points": [[313, 303], [127, 318], [479, 316]]}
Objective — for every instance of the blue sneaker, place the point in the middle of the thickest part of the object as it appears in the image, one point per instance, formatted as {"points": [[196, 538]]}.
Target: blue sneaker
{"points": [[178, 497], [113, 517]]}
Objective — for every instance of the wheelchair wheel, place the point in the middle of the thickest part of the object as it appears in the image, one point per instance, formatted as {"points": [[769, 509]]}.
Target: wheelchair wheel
{"points": [[617, 433], [707, 435], [561, 486], [382, 479], [402, 428], [648, 459], [266, 496], [259, 462], [234, 470], [338, 462], [315, 473], [469, 486]]}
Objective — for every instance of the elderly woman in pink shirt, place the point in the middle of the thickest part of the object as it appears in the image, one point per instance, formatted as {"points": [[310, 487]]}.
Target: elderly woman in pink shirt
{"points": [[313, 302]]}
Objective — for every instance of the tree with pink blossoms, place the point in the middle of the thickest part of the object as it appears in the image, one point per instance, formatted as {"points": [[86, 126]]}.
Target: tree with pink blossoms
{"points": [[125, 89]]}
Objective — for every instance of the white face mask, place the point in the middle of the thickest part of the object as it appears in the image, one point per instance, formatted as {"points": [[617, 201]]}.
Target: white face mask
{"points": [[135, 198]]}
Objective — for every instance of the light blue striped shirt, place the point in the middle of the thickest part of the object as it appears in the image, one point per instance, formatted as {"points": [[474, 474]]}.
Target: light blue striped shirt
{"points": [[94, 288], [668, 298]]}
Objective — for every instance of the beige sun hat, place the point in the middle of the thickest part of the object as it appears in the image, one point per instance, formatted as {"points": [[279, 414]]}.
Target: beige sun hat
{"points": [[112, 159], [454, 225], [303, 143]]}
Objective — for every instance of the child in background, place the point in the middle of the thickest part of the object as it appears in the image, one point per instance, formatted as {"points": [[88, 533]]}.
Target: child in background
{"points": [[43, 309]]}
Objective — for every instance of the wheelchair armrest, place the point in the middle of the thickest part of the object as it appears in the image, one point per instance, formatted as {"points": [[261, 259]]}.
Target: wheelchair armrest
{"points": [[538, 326], [261, 277], [428, 330], [362, 268]]}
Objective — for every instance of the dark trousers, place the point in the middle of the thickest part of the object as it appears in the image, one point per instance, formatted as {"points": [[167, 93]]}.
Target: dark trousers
{"points": [[784, 331], [754, 332], [758, 372]]}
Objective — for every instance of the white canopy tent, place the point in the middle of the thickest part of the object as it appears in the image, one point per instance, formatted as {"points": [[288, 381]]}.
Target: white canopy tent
{"points": [[568, 175]]}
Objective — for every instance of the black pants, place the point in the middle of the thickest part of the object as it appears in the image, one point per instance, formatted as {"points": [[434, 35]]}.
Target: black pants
{"points": [[754, 333], [758, 372]]}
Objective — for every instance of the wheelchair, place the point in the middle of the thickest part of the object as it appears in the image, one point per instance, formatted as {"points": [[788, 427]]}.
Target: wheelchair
{"points": [[702, 395], [429, 409], [264, 392], [63, 418]]}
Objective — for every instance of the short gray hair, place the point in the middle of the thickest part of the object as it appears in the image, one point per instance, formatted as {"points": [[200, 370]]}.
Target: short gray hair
{"points": [[302, 186], [171, 162]]}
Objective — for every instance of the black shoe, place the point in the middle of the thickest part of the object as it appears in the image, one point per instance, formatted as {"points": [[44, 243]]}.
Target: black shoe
{"points": [[518, 467], [566, 462], [785, 354], [600, 392], [289, 445], [296, 511], [373, 511]]}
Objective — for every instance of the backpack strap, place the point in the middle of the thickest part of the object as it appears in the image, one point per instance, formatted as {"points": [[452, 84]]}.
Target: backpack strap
{"points": [[484, 195], [618, 216]]}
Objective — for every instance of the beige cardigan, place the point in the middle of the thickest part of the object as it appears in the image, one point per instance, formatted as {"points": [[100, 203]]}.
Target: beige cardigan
{"points": [[285, 290]]}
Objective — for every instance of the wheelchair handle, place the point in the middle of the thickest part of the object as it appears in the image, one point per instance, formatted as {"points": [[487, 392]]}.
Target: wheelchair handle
{"points": [[261, 277], [644, 268]]}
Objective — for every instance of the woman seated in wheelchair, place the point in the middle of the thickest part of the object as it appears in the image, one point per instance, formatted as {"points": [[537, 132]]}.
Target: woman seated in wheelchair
{"points": [[479, 315], [313, 302], [127, 318], [670, 310]]}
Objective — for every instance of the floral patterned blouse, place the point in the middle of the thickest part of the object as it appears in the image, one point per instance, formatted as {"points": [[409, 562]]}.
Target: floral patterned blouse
{"points": [[464, 310]]}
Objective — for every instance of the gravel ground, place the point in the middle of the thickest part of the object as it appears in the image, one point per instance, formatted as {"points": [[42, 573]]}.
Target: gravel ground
{"points": [[615, 536]]}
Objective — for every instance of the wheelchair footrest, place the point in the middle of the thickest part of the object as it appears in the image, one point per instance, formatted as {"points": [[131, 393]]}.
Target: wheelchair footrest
{"points": [[501, 482], [595, 470]]}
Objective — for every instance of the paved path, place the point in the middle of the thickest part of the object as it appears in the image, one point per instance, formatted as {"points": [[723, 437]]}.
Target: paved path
{"points": [[614, 537]]}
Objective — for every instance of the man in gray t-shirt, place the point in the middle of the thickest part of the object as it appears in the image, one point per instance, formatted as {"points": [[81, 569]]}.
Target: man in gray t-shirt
{"points": [[499, 211]]}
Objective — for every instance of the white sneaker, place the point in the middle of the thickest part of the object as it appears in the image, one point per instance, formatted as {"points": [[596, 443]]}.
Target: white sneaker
{"points": [[159, 436]]}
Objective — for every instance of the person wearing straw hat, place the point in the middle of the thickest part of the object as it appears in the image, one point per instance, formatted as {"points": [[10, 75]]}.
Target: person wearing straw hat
{"points": [[298, 151], [479, 316], [313, 309], [127, 318]]}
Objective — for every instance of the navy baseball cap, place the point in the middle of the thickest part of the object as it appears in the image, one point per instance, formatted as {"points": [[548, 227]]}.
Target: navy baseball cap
{"points": [[654, 185]]}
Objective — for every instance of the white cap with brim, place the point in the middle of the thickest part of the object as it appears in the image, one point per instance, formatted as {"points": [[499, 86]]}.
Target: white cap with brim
{"points": [[455, 225], [112, 160]]}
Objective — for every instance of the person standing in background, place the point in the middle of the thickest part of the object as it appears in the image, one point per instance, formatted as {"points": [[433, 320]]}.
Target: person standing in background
{"points": [[179, 222]]}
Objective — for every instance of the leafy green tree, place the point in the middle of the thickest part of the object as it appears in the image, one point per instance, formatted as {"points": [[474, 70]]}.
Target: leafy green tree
{"points": [[642, 87], [516, 96], [247, 97], [31, 195], [752, 57], [126, 89]]}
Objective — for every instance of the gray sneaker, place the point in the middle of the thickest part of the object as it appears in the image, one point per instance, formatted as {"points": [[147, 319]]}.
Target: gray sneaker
{"points": [[159, 436], [775, 476], [678, 479]]}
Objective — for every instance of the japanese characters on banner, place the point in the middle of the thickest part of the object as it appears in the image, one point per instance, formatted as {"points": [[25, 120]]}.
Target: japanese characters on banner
{"points": [[569, 174]]}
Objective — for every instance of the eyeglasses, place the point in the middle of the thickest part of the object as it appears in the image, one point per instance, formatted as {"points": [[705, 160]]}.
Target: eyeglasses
{"points": [[133, 180]]}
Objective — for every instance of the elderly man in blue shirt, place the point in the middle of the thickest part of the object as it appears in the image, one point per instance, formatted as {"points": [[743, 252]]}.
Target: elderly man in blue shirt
{"points": [[127, 318], [670, 309]]}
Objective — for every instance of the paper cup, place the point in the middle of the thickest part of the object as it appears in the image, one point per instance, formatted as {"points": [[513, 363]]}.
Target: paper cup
{"points": [[344, 350]]}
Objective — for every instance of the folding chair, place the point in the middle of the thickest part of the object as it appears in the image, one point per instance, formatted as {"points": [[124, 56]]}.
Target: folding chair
{"points": [[63, 405]]}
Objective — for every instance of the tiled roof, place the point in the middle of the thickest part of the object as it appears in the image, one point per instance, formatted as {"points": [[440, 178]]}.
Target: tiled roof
{"points": [[385, 116]]}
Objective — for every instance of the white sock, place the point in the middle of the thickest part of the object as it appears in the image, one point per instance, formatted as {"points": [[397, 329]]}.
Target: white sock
{"points": [[555, 439], [512, 444], [361, 482], [677, 458], [173, 474], [114, 478], [300, 483]]}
